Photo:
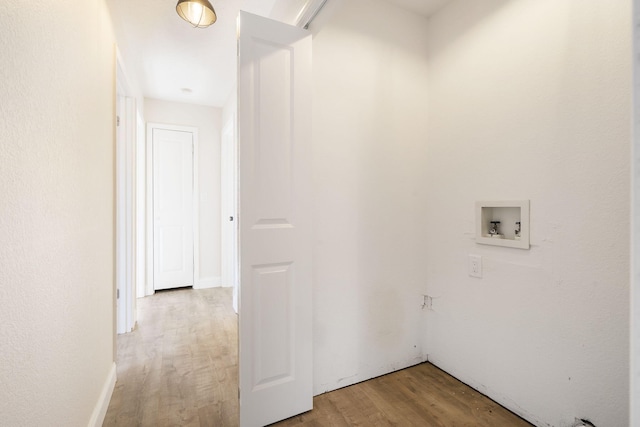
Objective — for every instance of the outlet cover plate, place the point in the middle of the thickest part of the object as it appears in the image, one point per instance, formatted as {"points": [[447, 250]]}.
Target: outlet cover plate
{"points": [[475, 266]]}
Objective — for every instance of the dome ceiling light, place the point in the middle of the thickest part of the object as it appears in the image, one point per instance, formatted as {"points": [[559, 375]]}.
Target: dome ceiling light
{"points": [[198, 13]]}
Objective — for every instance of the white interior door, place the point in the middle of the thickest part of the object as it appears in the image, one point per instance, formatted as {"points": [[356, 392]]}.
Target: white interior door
{"points": [[172, 208], [274, 125]]}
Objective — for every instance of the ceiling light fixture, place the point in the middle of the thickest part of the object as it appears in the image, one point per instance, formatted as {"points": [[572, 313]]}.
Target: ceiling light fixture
{"points": [[198, 13]]}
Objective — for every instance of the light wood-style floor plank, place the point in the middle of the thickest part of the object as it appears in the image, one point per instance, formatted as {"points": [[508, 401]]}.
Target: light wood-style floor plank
{"points": [[180, 368], [422, 395]]}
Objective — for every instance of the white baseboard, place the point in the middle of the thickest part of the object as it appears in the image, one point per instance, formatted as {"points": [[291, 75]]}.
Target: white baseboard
{"points": [[208, 282], [100, 410]]}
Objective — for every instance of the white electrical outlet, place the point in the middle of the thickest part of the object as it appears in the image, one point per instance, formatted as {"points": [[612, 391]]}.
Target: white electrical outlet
{"points": [[475, 266]]}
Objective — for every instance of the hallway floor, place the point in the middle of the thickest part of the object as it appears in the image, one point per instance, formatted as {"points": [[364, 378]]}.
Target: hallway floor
{"points": [[179, 368]]}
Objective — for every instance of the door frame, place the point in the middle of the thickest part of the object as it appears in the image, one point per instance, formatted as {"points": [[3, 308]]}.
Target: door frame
{"points": [[229, 204], [141, 208], [150, 288], [125, 202]]}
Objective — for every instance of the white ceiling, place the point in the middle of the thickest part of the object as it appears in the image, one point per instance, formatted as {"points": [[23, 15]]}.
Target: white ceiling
{"points": [[175, 62], [168, 56]]}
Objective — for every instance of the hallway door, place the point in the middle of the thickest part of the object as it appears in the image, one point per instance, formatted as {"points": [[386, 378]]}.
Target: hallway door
{"points": [[275, 312], [172, 208]]}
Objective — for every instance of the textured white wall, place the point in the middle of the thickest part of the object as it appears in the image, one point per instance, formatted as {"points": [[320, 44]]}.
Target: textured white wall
{"points": [[530, 100], [56, 210], [208, 122], [635, 299], [369, 193]]}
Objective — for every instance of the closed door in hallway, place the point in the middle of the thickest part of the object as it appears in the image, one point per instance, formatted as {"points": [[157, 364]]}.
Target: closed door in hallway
{"points": [[172, 208]]}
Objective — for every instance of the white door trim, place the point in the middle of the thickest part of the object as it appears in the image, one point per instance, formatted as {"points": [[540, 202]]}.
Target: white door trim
{"points": [[196, 196], [140, 200], [229, 207], [125, 278]]}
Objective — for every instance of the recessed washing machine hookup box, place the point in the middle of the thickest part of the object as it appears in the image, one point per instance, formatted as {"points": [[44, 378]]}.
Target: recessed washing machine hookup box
{"points": [[503, 223]]}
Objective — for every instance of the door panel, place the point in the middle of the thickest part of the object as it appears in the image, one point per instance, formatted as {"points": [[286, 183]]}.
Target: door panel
{"points": [[172, 208], [274, 124]]}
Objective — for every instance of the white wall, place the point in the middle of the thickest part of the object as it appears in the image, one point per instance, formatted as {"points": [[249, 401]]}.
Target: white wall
{"points": [[369, 191], [635, 243], [531, 100], [208, 122], [56, 212]]}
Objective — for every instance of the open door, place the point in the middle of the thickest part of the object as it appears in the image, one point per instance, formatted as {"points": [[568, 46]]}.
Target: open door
{"points": [[274, 139]]}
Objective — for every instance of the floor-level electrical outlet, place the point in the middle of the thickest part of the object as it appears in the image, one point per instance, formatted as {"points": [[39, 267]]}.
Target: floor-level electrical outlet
{"points": [[475, 266]]}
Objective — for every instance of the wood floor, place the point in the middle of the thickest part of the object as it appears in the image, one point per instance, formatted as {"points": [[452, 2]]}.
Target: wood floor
{"points": [[422, 395], [179, 368]]}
